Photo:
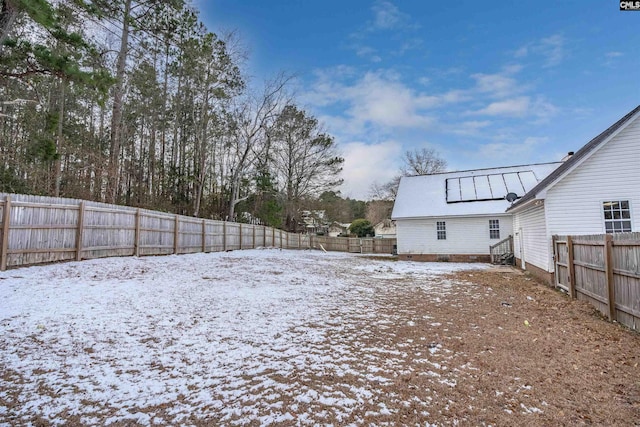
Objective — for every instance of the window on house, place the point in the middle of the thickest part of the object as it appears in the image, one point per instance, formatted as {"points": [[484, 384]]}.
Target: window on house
{"points": [[441, 230], [617, 216], [494, 228]]}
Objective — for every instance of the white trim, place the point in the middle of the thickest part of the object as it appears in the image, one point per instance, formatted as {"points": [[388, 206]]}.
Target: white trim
{"points": [[486, 215]]}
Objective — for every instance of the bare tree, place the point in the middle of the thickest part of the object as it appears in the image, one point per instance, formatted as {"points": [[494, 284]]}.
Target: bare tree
{"points": [[304, 158], [423, 161], [378, 210], [253, 115]]}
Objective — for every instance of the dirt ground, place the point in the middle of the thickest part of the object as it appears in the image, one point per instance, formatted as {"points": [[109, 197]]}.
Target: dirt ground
{"points": [[493, 347], [583, 369], [530, 357]]}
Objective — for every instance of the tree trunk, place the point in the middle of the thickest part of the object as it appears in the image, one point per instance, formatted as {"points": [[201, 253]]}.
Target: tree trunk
{"points": [[116, 116], [57, 165], [8, 17]]}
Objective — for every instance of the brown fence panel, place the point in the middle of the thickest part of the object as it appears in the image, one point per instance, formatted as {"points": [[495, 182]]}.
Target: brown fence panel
{"points": [[607, 272], [40, 232], [590, 273], [107, 232], [626, 278], [40, 229], [233, 236], [214, 236], [189, 235], [156, 233]]}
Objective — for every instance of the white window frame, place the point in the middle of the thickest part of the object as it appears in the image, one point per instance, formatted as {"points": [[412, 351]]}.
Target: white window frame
{"points": [[494, 229], [441, 230], [614, 221]]}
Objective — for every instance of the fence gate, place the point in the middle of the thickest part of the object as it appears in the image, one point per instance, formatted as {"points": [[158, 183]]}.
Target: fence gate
{"points": [[561, 262], [354, 246]]}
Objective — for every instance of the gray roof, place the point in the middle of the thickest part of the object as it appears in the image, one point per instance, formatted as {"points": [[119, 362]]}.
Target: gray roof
{"points": [[577, 157]]}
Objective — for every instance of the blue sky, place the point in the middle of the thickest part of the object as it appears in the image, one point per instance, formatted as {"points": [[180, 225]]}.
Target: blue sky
{"points": [[490, 83]]}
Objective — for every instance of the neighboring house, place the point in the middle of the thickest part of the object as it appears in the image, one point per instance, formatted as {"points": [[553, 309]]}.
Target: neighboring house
{"points": [[385, 229], [336, 229], [314, 222], [596, 191], [457, 216]]}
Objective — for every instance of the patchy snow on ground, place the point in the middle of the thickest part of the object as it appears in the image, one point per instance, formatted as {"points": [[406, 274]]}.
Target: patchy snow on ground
{"points": [[257, 336]]}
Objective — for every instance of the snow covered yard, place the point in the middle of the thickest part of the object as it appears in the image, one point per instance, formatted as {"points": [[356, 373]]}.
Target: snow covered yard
{"points": [[256, 336], [262, 337]]}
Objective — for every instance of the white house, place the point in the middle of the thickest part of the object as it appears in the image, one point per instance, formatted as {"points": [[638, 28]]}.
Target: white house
{"points": [[336, 229], [457, 216], [314, 222], [596, 191]]}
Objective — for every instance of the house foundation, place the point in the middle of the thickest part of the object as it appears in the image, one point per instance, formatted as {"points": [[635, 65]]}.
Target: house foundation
{"points": [[445, 257], [537, 272]]}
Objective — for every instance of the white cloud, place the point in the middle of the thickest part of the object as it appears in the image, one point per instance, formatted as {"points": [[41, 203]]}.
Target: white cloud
{"points": [[378, 99], [499, 85], [542, 109], [611, 58], [381, 100], [327, 85], [470, 128], [514, 107], [552, 49], [365, 164], [411, 44], [521, 106], [511, 152], [387, 16], [496, 85]]}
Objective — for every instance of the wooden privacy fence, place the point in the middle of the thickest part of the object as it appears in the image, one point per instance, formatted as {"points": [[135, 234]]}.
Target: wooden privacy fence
{"points": [[604, 270], [38, 229]]}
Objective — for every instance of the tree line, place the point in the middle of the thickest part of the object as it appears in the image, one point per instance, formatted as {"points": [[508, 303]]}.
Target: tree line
{"points": [[136, 102]]}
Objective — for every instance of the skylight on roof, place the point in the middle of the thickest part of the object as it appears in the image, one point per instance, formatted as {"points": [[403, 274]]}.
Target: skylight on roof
{"points": [[479, 188]]}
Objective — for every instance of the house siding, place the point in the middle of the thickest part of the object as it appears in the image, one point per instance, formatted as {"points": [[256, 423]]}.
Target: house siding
{"points": [[574, 204], [531, 234], [469, 236]]}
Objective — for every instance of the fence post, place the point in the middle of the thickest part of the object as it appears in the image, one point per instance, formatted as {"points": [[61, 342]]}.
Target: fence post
{"points": [[608, 264], [80, 231], [176, 235], [224, 236], [254, 236], [299, 240], [572, 268], [287, 240], [6, 219], [136, 241], [273, 237], [240, 232], [204, 235]]}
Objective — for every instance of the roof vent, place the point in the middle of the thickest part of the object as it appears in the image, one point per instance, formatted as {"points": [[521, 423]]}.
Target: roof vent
{"points": [[568, 156]]}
